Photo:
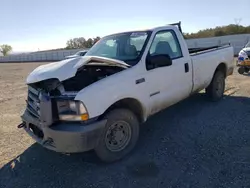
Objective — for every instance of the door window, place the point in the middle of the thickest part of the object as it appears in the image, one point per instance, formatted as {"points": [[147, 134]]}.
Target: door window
{"points": [[166, 42]]}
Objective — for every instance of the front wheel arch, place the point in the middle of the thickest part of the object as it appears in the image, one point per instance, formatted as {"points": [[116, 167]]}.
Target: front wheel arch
{"points": [[131, 104]]}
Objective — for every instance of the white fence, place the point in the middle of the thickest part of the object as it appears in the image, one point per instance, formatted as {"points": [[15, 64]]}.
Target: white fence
{"points": [[39, 56], [237, 41]]}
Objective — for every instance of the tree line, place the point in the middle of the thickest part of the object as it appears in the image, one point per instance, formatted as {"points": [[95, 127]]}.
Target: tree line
{"points": [[231, 29], [81, 42]]}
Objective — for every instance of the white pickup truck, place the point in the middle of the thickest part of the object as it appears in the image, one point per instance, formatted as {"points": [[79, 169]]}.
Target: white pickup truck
{"points": [[99, 101]]}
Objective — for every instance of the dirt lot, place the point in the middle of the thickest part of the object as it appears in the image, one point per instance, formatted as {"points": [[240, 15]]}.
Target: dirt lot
{"points": [[195, 143]]}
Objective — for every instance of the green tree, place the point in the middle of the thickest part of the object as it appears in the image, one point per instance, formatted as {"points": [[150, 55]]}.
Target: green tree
{"points": [[5, 49], [81, 42], [96, 39], [231, 29], [76, 43], [89, 43], [219, 33]]}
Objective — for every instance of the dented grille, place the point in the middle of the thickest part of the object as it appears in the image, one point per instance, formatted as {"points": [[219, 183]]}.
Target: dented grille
{"points": [[33, 103]]}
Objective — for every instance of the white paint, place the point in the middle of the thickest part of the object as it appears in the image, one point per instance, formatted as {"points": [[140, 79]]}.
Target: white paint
{"points": [[174, 84], [65, 69]]}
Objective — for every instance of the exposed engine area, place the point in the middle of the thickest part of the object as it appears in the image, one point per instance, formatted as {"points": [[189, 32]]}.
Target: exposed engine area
{"points": [[84, 77], [89, 74], [50, 99]]}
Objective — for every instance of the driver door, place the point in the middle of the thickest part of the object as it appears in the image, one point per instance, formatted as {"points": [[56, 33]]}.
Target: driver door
{"points": [[168, 84]]}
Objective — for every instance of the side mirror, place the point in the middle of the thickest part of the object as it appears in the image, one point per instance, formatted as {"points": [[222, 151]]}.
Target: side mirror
{"points": [[161, 60]]}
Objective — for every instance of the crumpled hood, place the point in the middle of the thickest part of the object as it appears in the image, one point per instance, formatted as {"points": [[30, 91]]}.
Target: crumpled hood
{"points": [[66, 69]]}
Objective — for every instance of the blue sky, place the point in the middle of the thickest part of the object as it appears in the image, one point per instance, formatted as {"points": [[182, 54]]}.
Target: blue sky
{"points": [[29, 25]]}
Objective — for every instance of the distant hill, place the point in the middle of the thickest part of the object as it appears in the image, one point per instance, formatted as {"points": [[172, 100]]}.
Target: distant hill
{"points": [[219, 31]]}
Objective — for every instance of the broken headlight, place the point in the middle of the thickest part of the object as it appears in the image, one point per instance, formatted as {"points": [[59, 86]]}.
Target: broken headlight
{"points": [[71, 110]]}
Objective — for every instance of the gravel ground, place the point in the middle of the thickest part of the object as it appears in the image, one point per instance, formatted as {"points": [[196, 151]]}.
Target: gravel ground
{"points": [[195, 143]]}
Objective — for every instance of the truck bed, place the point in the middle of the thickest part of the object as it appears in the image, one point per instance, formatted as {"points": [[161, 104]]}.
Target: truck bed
{"points": [[196, 51], [205, 61]]}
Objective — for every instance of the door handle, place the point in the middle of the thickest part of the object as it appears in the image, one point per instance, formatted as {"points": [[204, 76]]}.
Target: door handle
{"points": [[186, 67], [139, 81]]}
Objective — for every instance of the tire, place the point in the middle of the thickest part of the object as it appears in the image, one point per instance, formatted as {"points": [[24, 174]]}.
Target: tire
{"points": [[216, 88], [241, 70], [246, 70], [123, 125]]}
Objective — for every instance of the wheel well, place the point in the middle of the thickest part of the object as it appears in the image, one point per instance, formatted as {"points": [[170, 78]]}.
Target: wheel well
{"points": [[130, 104], [223, 68]]}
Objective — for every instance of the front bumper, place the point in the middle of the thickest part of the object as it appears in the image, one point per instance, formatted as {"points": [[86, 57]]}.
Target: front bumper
{"points": [[64, 137]]}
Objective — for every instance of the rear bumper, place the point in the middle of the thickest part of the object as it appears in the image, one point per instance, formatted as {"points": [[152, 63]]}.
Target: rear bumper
{"points": [[64, 137]]}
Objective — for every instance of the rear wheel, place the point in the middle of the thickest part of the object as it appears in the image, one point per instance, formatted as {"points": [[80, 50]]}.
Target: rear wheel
{"points": [[119, 136], [216, 88], [241, 70]]}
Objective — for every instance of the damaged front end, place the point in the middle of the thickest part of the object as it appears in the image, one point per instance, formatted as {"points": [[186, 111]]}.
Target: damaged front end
{"points": [[52, 113], [47, 104], [50, 103], [52, 100]]}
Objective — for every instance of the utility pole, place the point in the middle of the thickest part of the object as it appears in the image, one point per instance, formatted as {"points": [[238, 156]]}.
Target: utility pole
{"points": [[237, 21]]}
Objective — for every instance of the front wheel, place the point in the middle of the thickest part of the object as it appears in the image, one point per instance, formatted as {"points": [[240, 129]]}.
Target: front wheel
{"points": [[216, 88], [119, 136]]}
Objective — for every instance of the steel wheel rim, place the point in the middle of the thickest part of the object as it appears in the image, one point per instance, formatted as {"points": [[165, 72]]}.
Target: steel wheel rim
{"points": [[118, 136]]}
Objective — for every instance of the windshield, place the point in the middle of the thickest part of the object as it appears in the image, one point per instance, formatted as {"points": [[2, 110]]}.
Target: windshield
{"points": [[127, 47], [248, 45]]}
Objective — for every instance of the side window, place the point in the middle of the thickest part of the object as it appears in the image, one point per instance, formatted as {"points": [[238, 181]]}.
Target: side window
{"points": [[166, 42]]}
